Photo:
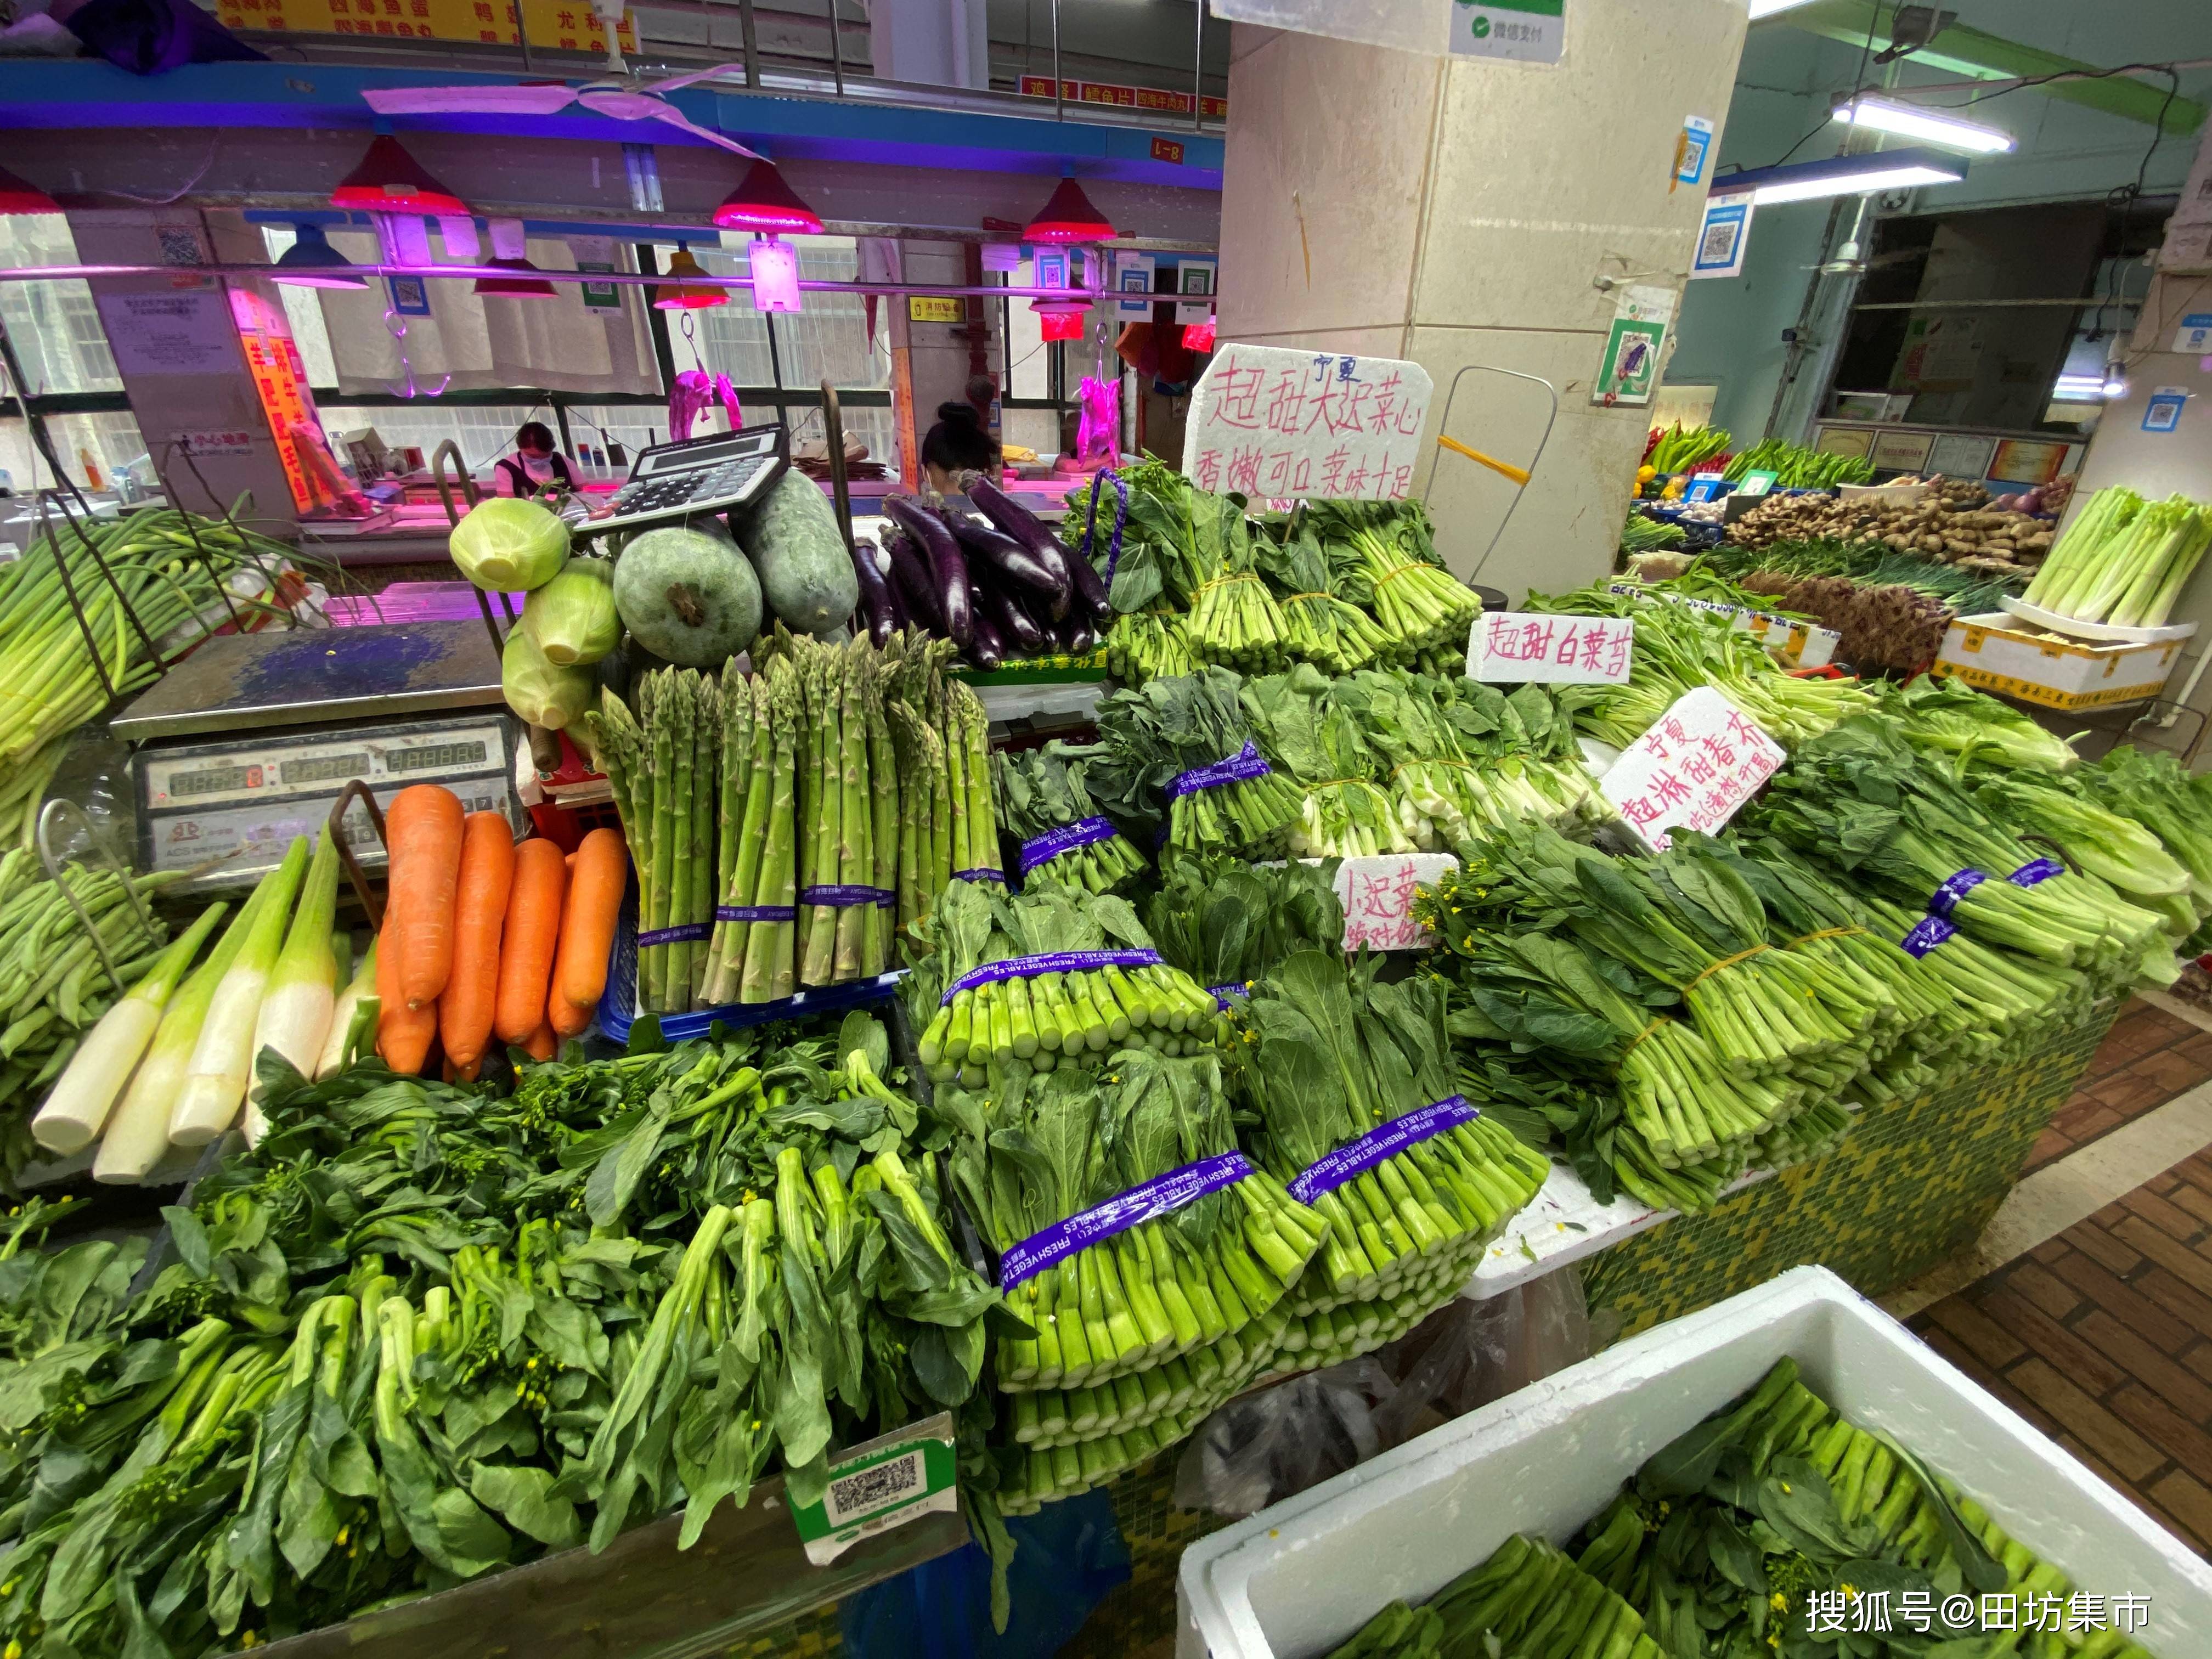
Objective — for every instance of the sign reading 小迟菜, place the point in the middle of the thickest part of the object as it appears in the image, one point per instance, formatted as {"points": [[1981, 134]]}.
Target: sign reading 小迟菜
{"points": [[1377, 890], [1520, 31], [884, 1483], [1508, 646], [1701, 761], [1272, 421]]}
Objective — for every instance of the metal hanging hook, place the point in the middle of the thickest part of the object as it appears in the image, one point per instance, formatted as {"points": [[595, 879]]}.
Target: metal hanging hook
{"points": [[49, 815]]}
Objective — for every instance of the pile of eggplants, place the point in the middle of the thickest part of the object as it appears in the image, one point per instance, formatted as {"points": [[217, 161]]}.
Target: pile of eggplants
{"points": [[1002, 591]]}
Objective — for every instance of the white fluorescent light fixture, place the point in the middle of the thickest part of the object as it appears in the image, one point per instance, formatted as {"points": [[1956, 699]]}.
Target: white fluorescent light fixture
{"points": [[1931, 126], [2079, 389], [1843, 175], [1767, 8]]}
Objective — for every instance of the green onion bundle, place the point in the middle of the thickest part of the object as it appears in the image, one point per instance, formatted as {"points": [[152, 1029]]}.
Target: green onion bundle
{"points": [[1318, 743], [1019, 1014], [1184, 749], [1417, 604], [1064, 843]]}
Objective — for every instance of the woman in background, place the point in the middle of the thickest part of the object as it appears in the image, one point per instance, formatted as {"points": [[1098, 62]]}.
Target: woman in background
{"points": [[536, 463], [958, 443]]}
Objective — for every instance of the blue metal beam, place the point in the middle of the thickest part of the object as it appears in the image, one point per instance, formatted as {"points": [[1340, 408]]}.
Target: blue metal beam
{"points": [[43, 93]]}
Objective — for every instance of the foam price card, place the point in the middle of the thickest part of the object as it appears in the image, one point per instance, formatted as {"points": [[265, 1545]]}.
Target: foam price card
{"points": [[1505, 647], [1702, 760], [1377, 892]]}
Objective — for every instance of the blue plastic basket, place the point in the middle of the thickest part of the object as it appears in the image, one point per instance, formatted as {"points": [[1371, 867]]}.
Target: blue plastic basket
{"points": [[618, 1003]]}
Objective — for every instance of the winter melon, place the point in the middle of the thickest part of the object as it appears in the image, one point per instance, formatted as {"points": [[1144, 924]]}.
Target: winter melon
{"points": [[806, 571], [688, 597]]}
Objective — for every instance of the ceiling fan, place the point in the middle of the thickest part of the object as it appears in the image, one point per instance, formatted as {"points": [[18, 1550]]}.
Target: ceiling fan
{"points": [[620, 97]]}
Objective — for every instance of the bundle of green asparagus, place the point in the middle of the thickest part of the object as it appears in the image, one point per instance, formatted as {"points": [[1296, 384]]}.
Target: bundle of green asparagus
{"points": [[1064, 841], [663, 759]]}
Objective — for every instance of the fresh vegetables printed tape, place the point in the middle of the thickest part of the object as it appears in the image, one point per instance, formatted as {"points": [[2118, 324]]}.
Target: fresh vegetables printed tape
{"points": [[1055, 962], [979, 875], [1326, 1174], [1927, 933], [1120, 518], [848, 898], [2040, 870], [1245, 764], [1050, 845], [1156, 1197], [755, 913], [1946, 898], [688, 932], [1221, 994]]}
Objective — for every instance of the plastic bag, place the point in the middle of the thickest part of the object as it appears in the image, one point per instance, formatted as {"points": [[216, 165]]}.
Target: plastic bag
{"points": [[1281, 1440]]}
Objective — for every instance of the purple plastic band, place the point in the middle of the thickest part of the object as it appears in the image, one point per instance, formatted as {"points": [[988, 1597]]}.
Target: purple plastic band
{"points": [[1927, 933], [847, 898], [690, 933], [1058, 962], [1245, 764], [1120, 518], [1946, 898], [979, 875], [1051, 844], [1118, 1214], [1221, 994], [755, 913], [1326, 1174], [2041, 869]]}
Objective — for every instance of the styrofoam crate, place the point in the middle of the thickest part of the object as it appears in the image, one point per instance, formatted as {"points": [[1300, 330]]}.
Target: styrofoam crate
{"points": [[1997, 652], [1295, 1580]]}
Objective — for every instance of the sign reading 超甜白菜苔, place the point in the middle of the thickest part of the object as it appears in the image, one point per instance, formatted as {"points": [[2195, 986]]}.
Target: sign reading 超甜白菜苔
{"points": [[1702, 760], [1272, 421], [1508, 646]]}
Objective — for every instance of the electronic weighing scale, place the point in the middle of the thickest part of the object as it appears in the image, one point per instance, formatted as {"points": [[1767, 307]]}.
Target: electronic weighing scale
{"points": [[247, 741]]}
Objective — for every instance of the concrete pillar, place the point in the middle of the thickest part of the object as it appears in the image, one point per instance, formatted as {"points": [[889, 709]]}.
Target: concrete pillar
{"points": [[1464, 210], [940, 43]]}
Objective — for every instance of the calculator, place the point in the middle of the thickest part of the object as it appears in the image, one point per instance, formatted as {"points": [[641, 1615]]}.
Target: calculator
{"points": [[711, 474]]}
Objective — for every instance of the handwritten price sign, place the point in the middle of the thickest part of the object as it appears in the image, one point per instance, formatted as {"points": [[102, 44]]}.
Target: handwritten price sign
{"points": [[1269, 421], [1377, 892], [1704, 759], [1509, 646]]}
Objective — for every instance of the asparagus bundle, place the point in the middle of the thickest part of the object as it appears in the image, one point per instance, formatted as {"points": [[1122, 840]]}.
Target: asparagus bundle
{"points": [[1320, 747], [1064, 841], [756, 941], [1026, 981], [1417, 605], [1318, 624], [1188, 743], [666, 775]]}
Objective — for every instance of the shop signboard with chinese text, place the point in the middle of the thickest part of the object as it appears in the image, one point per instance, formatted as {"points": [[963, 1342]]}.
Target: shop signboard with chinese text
{"points": [[564, 25], [1270, 421], [1509, 646]]}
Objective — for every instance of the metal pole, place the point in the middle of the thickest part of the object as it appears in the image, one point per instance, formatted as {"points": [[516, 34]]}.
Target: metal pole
{"points": [[836, 48], [751, 42], [1058, 113], [1197, 72], [522, 35]]}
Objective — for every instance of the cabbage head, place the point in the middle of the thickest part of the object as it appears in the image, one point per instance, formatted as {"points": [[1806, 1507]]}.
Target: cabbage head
{"points": [[543, 693], [506, 543], [573, 617]]}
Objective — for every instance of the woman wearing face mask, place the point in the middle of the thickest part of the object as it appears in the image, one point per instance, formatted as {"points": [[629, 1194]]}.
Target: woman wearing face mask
{"points": [[535, 463]]}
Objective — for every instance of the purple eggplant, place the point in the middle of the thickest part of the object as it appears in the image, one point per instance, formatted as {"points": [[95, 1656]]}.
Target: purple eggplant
{"points": [[1031, 531], [1009, 560], [1084, 638], [1015, 628], [875, 594], [910, 577], [986, 649], [948, 566]]}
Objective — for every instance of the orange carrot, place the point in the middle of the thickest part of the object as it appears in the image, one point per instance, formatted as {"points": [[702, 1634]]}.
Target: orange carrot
{"points": [[587, 928], [423, 828], [542, 1043], [403, 1034], [565, 1019], [533, 933], [464, 1008]]}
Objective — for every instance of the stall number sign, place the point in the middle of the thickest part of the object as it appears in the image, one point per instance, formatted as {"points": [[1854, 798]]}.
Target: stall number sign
{"points": [[1377, 892], [1508, 646], [1701, 761], [887, 1482], [1271, 421]]}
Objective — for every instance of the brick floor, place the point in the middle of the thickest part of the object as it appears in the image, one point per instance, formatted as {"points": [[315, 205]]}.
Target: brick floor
{"points": [[2147, 1058]]}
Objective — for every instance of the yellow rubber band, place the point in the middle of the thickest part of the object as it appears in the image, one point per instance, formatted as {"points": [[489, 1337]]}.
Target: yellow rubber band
{"points": [[1825, 933], [1642, 1034], [1234, 576], [1726, 961], [1318, 594], [1464, 766], [1400, 569], [1334, 783]]}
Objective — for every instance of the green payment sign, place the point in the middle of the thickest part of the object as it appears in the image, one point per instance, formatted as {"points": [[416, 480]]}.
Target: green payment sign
{"points": [[1524, 31]]}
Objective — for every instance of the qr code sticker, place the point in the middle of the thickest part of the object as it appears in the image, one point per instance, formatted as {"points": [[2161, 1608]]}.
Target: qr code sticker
{"points": [[1719, 246], [867, 1491]]}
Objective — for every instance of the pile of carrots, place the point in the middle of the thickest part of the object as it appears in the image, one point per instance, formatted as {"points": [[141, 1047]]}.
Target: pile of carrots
{"points": [[485, 938]]}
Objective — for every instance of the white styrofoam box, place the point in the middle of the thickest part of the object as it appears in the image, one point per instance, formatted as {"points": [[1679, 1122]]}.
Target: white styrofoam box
{"points": [[1888, 495], [1295, 1580], [1999, 652]]}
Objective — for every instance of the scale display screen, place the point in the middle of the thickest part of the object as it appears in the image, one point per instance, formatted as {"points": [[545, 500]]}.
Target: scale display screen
{"points": [[435, 757], [214, 779], [326, 768]]}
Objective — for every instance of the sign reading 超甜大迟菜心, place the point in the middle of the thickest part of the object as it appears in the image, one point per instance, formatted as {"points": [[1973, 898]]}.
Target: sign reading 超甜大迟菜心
{"points": [[1702, 760], [1520, 31], [1508, 646], [1272, 421], [1377, 890]]}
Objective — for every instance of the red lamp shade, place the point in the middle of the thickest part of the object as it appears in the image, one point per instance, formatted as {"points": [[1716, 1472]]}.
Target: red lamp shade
{"points": [[1068, 217], [20, 195], [681, 295], [1198, 337], [763, 202], [524, 284], [390, 180]]}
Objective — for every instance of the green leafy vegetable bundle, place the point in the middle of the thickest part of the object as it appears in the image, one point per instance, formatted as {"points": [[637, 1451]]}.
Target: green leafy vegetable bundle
{"points": [[1318, 742], [1944, 715], [1184, 749], [1226, 922], [2154, 790], [1417, 604], [1044, 805], [1190, 552], [1145, 645], [1320, 625], [419, 1334], [1054, 977]]}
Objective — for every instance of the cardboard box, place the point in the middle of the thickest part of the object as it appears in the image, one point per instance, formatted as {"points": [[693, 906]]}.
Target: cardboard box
{"points": [[1294, 1581], [1998, 652]]}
